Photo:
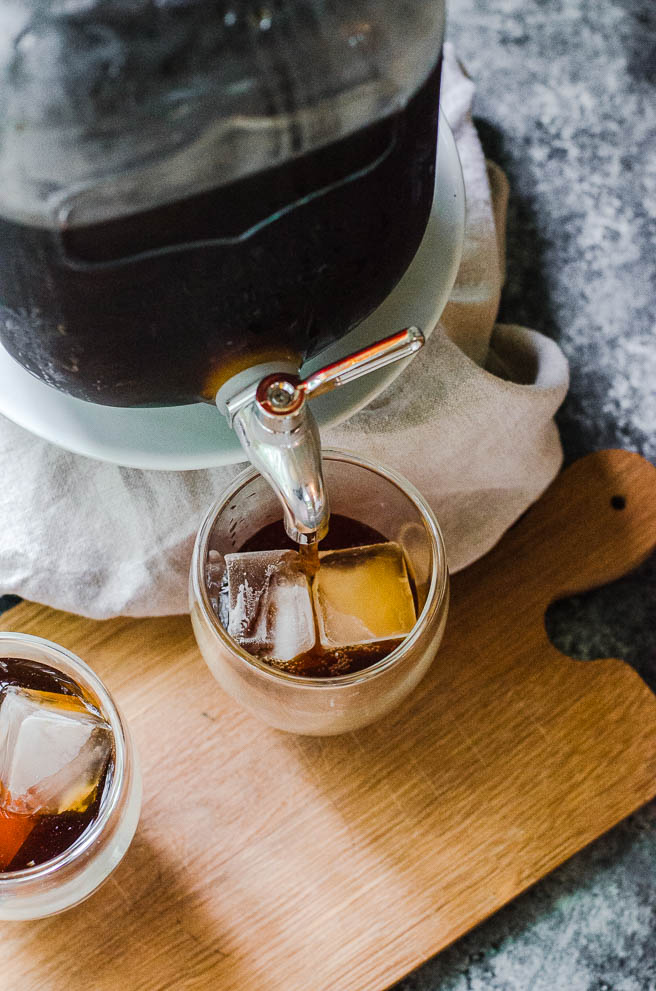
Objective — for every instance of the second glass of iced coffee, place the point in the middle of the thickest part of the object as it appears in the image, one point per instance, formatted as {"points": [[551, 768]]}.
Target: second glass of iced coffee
{"points": [[328, 651]]}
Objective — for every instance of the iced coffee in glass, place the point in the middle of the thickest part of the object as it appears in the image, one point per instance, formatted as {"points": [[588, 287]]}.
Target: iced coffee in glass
{"points": [[323, 639], [70, 787]]}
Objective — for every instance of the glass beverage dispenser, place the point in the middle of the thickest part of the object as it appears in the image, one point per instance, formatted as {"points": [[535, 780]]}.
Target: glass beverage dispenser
{"points": [[190, 188]]}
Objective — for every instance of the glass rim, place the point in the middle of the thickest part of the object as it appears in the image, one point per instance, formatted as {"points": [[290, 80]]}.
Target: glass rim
{"points": [[51, 651], [435, 596]]}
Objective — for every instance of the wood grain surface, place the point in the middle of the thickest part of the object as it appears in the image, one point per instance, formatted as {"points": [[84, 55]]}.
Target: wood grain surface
{"points": [[267, 861]]}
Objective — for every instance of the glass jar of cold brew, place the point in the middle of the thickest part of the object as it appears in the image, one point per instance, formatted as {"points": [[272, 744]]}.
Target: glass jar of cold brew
{"points": [[189, 187]]}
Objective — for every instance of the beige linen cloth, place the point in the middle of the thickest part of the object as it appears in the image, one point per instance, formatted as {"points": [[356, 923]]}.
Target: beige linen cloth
{"points": [[469, 422]]}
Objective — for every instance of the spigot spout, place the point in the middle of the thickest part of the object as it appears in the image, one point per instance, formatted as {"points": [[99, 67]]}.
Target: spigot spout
{"points": [[269, 410], [286, 448]]}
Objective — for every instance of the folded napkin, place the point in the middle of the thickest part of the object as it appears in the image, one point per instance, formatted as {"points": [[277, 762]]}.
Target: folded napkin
{"points": [[469, 422]]}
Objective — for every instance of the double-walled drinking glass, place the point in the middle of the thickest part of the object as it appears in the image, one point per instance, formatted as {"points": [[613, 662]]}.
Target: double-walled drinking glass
{"points": [[369, 494], [69, 878]]}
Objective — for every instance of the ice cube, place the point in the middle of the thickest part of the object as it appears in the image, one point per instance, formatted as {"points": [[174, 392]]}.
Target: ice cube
{"points": [[53, 751], [362, 595], [269, 604]]}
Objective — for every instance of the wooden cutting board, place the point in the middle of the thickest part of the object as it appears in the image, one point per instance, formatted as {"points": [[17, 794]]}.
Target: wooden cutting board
{"points": [[270, 861]]}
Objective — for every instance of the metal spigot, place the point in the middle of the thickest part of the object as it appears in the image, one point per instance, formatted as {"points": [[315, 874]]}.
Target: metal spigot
{"points": [[280, 435]]}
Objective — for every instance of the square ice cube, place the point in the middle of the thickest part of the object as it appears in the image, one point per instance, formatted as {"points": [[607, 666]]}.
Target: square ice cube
{"points": [[269, 604], [53, 751], [362, 595]]}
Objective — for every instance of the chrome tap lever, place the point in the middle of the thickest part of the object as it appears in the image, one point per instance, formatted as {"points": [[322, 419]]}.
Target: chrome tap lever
{"points": [[374, 356], [280, 435]]}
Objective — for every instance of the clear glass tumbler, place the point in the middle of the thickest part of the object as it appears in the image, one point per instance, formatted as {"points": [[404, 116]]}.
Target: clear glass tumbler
{"points": [[69, 878], [324, 706]]}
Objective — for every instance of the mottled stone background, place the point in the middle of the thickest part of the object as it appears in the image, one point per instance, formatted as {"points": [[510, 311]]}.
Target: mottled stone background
{"points": [[566, 103]]}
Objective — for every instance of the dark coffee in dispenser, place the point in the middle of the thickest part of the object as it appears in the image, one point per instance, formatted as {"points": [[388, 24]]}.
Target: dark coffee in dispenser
{"points": [[160, 306]]}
